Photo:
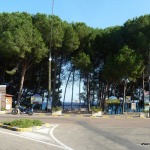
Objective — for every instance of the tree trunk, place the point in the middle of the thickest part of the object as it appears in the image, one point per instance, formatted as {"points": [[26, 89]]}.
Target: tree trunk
{"points": [[124, 96], [93, 96], [66, 88], [54, 83], [39, 82], [103, 94], [80, 92], [143, 91], [100, 94], [72, 89], [60, 66], [106, 94], [88, 93], [24, 67]]}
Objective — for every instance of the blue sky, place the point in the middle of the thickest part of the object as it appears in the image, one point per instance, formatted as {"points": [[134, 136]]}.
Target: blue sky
{"points": [[95, 13]]}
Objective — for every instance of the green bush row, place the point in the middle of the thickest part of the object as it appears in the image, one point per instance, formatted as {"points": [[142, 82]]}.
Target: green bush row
{"points": [[23, 123]]}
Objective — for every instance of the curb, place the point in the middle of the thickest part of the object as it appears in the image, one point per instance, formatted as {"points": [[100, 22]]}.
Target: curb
{"points": [[5, 112], [120, 117], [89, 116], [25, 129]]}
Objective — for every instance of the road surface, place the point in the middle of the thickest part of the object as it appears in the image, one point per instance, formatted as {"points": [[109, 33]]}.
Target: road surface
{"points": [[79, 134]]}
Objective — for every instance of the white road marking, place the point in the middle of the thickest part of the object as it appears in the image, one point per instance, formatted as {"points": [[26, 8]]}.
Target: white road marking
{"points": [[35, 136], [55, 139], [36, 140], [45, 130]]}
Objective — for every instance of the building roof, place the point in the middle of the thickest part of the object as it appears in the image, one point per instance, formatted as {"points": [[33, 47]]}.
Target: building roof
{"points": [[8, 95]]}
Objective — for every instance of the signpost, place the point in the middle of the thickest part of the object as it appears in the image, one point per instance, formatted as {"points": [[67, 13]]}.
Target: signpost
{"points": [[36, 99], [128, 99], [133, 106], [146, 100]]}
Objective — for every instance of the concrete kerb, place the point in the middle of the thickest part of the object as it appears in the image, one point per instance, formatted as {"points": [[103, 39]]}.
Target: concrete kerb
{"points": [[46, 125], [83, 115], [2, 112], [5, 112], [90, 116]]}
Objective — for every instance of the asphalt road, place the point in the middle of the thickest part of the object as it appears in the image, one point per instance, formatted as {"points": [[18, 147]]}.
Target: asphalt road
{"points": [[79, 134]]}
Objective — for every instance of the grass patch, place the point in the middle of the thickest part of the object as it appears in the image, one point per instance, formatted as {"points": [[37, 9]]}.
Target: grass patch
{"points": [[23, 123]]}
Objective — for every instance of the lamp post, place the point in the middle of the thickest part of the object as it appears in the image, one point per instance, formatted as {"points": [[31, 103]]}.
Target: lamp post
{"points": [[49, 81], [49, 99]]}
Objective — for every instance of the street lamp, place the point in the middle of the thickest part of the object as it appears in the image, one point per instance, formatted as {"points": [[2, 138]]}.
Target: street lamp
{"points": [[49, 74], [49, 99], [49, 82]]}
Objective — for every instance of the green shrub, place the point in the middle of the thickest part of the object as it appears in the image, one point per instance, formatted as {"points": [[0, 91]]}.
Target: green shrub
{"points": [[24, 123], [37, 122], [56, 108], [114, 101], [146, 111], [146, 104], [96, 109], [3, 109]]}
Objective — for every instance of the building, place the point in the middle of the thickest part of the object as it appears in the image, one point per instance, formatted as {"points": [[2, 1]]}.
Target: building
{"points": [[5, 99]]}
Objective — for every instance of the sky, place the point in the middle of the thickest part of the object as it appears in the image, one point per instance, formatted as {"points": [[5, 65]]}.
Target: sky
{"points": [[94, 13]]}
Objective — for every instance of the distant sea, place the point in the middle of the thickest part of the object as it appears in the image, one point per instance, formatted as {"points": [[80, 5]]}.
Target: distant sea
{"points": [[67, 105]]}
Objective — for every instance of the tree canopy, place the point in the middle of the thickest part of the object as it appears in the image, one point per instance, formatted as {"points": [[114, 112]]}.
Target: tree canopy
{"points": [[105, 55]]}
